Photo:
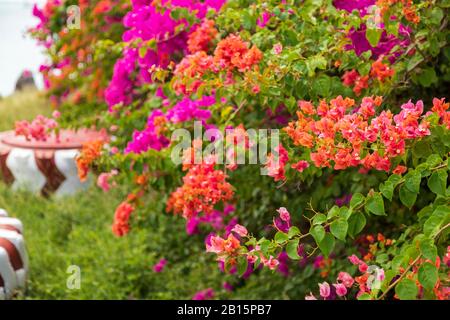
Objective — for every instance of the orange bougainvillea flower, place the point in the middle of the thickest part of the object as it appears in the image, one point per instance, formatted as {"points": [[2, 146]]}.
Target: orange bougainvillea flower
{"points": [[203, 187], [90, 151], [400, 169], [381, 71], [234, 53], [122, 215], [201, 38]]}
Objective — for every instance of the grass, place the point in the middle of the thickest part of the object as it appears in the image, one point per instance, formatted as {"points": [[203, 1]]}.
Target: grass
{"points": [[22, 105]]}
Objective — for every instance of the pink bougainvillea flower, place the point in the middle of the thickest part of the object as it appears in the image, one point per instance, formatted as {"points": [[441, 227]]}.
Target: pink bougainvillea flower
{"points": [[240, 230], [103, 180], [276, 163], [272, 263], [346, 279], [300, 166], [324, 289], [310, 297], [206, 294], [363, 267], [277, 48], [263, 19], [341, 290], [56, 114], [227, 286], [284, 214], [354, 260], [159, 267]]}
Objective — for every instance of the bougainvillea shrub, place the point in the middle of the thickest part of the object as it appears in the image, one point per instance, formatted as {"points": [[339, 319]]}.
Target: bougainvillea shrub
{"points": [[348, 101]]}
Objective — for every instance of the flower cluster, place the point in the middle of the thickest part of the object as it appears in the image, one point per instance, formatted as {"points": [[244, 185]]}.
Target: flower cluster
{"points": [[379, 71], [148, 22], [203, 187], [408, 8], [276, 163], [122, 215], [344, 282], [104, 180], [234, 53], [231, 53], [152, 136], [39, 129], [387, 42], [200, 39], [440, 107], [90, 151], [356, 138]]}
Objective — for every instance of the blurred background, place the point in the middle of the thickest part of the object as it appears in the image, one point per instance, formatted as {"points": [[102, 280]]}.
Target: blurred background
{"points": [[18, 52]]}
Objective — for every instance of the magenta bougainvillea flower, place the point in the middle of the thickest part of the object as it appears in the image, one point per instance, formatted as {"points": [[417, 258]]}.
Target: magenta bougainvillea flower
{"points": [[185, 110], [360, 44], [146, 22], [350, 5]]}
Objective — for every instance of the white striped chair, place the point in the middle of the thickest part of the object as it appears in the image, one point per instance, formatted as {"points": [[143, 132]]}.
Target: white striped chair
{"points": [[13, 256]]}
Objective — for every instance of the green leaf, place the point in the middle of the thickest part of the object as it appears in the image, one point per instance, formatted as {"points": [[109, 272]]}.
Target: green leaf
{"points": [[421, 149], [433, 160], [412, 181], [242, 264], [339, 228], [293, 231], [436, 16], [428, 249], [315, 62], [428, 77], [394, 179], [438, 182], [281, 237], [406, 290], [387, 189], [264, 245], [319, 218], [392, 27], [318, 233], [373, 35], [356, 224], [428, 275], [345, 212], [292, 249], [248, 21], [375, 204], [334, 212], [356, 200], [364, 296], [432, 225], [327, 244], [322, 86], [142, 51], [407, 197]]}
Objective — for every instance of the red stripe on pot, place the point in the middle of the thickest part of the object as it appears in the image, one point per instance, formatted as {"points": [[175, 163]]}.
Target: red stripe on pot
{"points": [[45, 161], [5, 173], [13, 253], [9, 227]]}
